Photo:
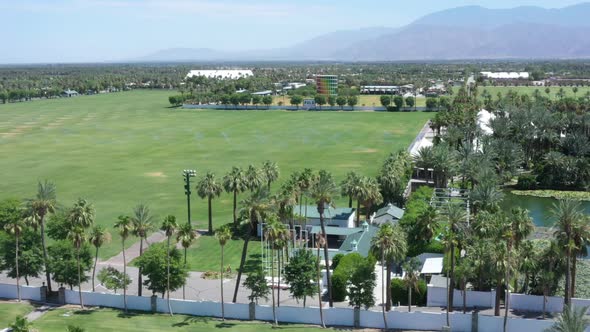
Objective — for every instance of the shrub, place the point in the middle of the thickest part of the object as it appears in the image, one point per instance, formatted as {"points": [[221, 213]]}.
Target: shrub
{"points": [[526, 182], [399, 293], [345, 267], [336, 260]]}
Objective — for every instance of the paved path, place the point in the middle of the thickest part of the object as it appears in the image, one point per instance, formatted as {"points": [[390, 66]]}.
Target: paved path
{"points": [[133, 252], [38, 312]]}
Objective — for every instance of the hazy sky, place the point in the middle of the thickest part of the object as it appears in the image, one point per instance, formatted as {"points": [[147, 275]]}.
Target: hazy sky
{"points": [[107, 30]]}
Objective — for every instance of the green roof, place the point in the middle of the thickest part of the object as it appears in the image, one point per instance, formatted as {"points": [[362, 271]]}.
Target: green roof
{"points": [[329, 212], [330, 230], [363, 240], [390, 209]]}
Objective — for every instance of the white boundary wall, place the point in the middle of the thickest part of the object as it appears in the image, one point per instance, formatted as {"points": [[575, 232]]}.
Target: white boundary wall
{"points": [[535, 303], [437, 297], [26, 292]]}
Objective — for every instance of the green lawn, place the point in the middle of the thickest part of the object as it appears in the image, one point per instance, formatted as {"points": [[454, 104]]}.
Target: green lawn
{"points": [[205, 255], [493, 90], [9, 311], [114, 320], [118, 150]]}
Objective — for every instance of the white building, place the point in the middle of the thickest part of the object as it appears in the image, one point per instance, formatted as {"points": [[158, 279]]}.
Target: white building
{"points": [[232, 74], [505, 75]]}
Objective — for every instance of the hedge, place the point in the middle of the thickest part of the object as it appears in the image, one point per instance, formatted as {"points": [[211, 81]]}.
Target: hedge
{"points": [[399, 293]]}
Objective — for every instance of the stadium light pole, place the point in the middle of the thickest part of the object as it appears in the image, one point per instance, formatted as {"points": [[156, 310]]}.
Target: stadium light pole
{"points": [[187, 174]]}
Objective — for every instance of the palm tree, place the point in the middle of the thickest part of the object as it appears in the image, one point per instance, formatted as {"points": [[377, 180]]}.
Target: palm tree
{"points": [[142, 225], [568, 213], [82, 214], [411, 278], [276, 233], [77, 235], [389, 244], [254, 178], [323, 191], [427, 225], [320, 242], [348, 186], [186, 236], [486, 196], [44, 203], [21, 324], [545, 279], [581, 238], [16, 227], [235, 182], [454, 215], [304, 182], [209, 188], [223, 235], [271, 172], [125, 227], [169, 226], [571, 320], [255, 207], [98, 236], [522, 226], [443, 164], [370, 195], [425, 159]]}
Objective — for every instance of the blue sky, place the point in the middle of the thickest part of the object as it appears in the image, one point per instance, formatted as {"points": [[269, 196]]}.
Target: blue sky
{"points": [[111, 30]]}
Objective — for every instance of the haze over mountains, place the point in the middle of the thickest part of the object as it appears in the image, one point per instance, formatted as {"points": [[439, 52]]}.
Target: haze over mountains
{"points": [[470, 32]]}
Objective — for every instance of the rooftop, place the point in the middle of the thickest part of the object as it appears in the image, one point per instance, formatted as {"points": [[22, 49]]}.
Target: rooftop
{"points": [[391, 210], [311, 211]]}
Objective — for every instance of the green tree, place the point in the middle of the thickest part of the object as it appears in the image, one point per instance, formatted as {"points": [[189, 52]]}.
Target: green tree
{"points": [[256, 283], [72, 328], [277, 234], [410, 101], [267, 100], [142, 226], [256, 100], [98, 237], [186, 235], [209, 188], [398, 101], [15, 227], [38, 208], [370, 195], [324, 191], [571, 320], [352, 101], [223, 234], [296, 101], [341, 101], [254, 178], [320, 100], [332, 101], [454, 216], [411, 278], [235, 182], [431, 103], [30, 255], [63, 260], [385, 101], [271, 172], [153, 264], [169, 227], [349, 186], [361, 285], [124, 225], [21, 324], [113, 279], [78, 237], [300, 273]]}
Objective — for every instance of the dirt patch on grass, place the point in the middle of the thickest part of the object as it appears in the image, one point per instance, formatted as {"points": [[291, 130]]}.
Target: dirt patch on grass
{"points": [[156, 175], [366, 151], [16, 131]]}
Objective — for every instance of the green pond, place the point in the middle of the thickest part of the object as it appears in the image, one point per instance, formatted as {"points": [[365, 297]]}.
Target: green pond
{"points": [[539, 207]]}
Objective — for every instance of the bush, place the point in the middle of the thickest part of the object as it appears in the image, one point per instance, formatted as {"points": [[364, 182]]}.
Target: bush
{"points": [[345, 267], [526, 182], [336, 260], [339, 291], [392, 109], [399, 293]]}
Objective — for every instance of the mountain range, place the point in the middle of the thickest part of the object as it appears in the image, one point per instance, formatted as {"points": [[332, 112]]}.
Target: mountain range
{"points": [[470, 32]]}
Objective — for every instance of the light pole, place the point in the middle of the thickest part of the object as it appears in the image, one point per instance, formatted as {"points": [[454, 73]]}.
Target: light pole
{"points": [[187, 174]]}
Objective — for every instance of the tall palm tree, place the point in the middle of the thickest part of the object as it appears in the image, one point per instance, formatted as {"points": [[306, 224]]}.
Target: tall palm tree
{"points": [[454, 215], [522, 226], [425, 159], [486, 196], [169, 226], [82, 213], [568, 213], [411, 278], [209, 188], [44, 203], [142, 226], [348, 186], [304, 182], [255, 207], [223, 235], [444, 165], [581, 239], [16, 227], [271, 172], [124, 226], [78, 236], [389, 244], [320, 242], [186, 235], [254, 178], [98, 237], [235, 182], [427, 225], [370, 195], [275, 232], [323, 191]]}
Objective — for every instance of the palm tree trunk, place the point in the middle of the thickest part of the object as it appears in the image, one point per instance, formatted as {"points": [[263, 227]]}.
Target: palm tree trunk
{"points": [[79, 277], [388, 286], [242, 263], [210, 216], [544, 302], [574, 270], [272, 289], [451, 289], [464, 286], [383, 289], [358, 214], [45, 257], [235, 208], [139, 282], [17, 272], [279, 254], [350, 201], [125, 277], [410, 299], [319, 277], [168, 276], [94, 268], [222, 303], [498, 297], [326, 258], [507, 282], [568, 271]]}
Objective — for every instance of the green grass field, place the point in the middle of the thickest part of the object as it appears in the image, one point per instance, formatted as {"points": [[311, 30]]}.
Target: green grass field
{"points": [[10, 310], [118, 150], [493, 90], [114, 320], [364, 100]]}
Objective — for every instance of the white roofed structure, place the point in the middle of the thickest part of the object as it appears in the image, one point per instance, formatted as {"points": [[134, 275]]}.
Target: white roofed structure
{"points": [[232, 74], [505, 75]]}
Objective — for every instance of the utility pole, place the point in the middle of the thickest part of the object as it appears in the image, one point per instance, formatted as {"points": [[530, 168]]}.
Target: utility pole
{"points": [[187, 175]]}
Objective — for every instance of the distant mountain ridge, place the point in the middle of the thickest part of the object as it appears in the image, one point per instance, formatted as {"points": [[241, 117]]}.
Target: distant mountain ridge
{"points": [[470, 32]]}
